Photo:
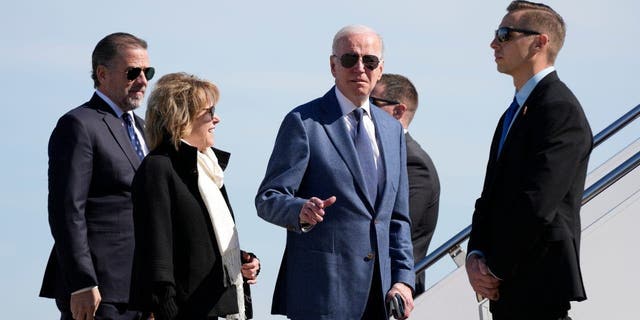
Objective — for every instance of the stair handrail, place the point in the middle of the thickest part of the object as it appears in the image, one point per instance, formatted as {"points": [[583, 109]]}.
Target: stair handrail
{"points": [[452, 246]]}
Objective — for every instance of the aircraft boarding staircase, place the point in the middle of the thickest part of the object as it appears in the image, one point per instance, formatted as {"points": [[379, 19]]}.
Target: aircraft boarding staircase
{"points": [[610, 266]]}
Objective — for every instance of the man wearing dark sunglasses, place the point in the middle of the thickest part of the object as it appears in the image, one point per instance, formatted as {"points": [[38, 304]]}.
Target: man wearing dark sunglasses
{"points": [[94, 152], [525, 238], [337, 181], [397, 96]]}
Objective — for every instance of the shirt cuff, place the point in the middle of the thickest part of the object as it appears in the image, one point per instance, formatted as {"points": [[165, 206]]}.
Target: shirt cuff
{"points": [[83, 290], [481, 255], [476, 252], [306, 227]]}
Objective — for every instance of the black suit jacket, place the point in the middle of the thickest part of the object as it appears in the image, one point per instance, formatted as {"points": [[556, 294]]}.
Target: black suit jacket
{"points": [[91, 166], [178, 269], [424, 195], [527, 220]]}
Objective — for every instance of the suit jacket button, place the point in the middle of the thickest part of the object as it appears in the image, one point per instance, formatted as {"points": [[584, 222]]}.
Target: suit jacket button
{"points": [[370, 256]]}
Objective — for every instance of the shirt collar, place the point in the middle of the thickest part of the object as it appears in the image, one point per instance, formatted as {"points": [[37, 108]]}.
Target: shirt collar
{"points": [[525, 91], [111, 104], [347, 106]]}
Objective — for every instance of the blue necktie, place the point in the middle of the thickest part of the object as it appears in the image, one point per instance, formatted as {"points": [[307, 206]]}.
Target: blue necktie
{"points": [[365, 155], [507, 121], [132, 135]]}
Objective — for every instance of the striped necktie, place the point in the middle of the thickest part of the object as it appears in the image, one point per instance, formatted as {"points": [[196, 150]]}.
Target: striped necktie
{"points": [[132, 135]]}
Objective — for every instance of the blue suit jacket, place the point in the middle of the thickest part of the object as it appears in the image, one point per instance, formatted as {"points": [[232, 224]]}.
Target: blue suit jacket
{"points": [[326, 273]]}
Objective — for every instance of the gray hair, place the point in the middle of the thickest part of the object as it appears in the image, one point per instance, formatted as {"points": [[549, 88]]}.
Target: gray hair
{"points": [[355, 29]]}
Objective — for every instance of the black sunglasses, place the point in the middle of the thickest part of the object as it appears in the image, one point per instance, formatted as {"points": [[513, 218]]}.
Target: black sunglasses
{"points": [[503, 34], [379, 102], [349, 60], [211, 111], [134, 73]]}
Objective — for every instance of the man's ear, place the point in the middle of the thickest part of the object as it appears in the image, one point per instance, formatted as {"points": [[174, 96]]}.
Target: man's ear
{"points": [[541, 41], [399, 110], [101, 73], [333, 66]]}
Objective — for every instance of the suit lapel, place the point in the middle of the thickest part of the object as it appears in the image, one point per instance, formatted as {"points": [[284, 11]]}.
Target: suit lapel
{"points": [[384, 145], [333, 123], [116, 128], [526, 108]]}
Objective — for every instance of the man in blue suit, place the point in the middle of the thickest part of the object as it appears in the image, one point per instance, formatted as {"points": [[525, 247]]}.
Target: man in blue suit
{"points": [[337, 181], [94, 152]]}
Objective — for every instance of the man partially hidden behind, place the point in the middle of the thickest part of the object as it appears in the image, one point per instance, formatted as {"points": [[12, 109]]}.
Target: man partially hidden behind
{"points": [[525, 238], [397, 96], [94, 152]]}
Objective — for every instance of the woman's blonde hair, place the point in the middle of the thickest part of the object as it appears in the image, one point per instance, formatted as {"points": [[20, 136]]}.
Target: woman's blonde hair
{"points": [[174, 103]]}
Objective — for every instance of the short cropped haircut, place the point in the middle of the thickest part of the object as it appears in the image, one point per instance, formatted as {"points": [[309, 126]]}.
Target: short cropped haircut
{"points": [[399, 88], [541, 18], [110, 47], [174, 103]]}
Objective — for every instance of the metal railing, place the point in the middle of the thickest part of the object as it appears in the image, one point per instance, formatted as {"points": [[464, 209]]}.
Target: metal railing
{"points": [[452, 246]]}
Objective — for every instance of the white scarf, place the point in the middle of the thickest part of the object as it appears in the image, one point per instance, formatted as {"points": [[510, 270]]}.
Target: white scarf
{"points": [[210, 180]]}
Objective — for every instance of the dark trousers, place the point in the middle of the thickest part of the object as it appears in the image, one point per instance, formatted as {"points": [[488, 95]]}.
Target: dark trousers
{"points": [[548, 311], [375, 304], [524, 316], [106, 311], [420, 283]]}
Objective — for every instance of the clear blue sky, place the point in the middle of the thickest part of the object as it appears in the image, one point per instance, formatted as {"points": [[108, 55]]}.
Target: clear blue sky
{"points": [[268, 57]]}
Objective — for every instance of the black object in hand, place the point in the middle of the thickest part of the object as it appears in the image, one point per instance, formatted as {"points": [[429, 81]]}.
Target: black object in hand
{"points": [[396, 306]]}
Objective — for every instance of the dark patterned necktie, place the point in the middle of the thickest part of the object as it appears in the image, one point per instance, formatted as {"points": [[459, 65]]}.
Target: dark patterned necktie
{"points": [[132, 135], [365, 155], [511, 111]]}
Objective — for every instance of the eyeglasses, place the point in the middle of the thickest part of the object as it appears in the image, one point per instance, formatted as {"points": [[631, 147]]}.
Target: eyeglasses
{"points": [[134, 73], [503, 34], [379, 102], [211, 111], [349, 60]]}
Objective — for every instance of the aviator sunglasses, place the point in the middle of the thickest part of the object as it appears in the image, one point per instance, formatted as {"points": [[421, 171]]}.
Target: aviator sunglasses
{"points": [[349, 60], [503, 34], [379, 102], [134, 73]]}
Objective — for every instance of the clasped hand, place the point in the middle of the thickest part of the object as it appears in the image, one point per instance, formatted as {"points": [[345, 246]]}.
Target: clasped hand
{"points": [[481, 279]]}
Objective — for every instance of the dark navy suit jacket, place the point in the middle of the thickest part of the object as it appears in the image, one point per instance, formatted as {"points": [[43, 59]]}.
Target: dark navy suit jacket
{"points": [[91, 166]]}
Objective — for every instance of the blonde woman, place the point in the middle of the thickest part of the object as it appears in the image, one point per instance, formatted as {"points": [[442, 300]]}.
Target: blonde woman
{"points": [[187, 262]]}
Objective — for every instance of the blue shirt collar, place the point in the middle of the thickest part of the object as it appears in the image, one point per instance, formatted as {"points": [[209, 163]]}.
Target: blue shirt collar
{"points": [[525, 91], [111, 104]]}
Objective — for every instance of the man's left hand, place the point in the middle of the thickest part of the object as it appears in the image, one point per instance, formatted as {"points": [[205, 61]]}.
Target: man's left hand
{"points": [[250, 267], [406, 294]]}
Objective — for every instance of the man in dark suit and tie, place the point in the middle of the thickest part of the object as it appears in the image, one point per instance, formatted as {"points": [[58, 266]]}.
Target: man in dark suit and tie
{"points": [[396, 95], [525, 238], [337, 181], [94, 151]]}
